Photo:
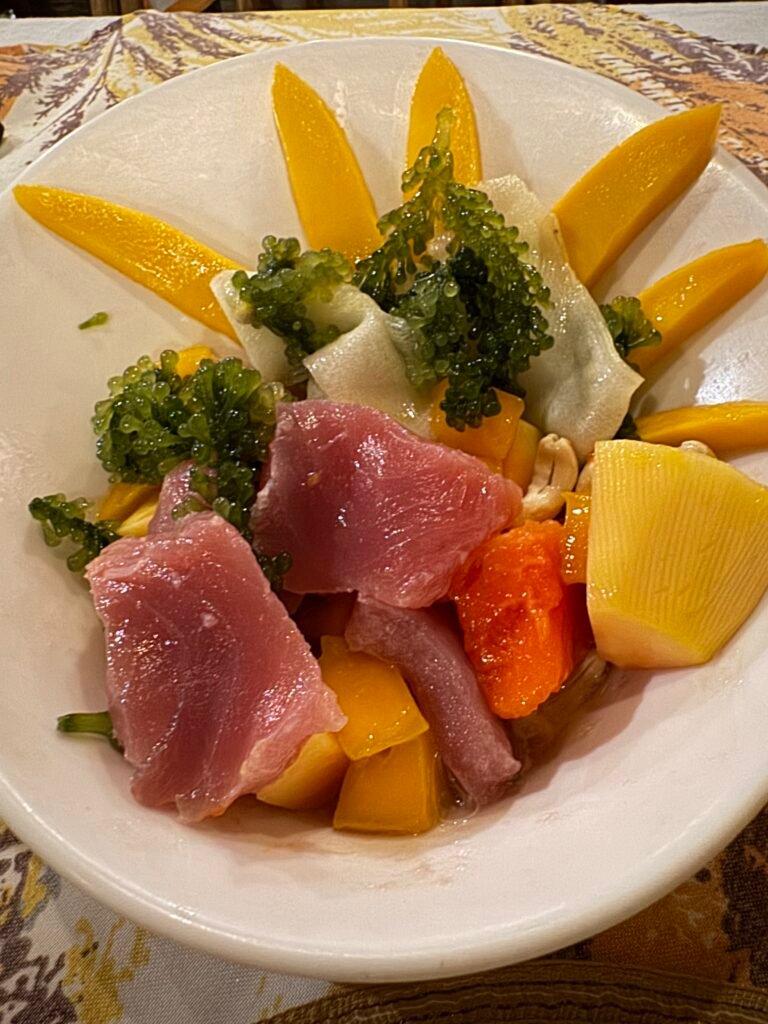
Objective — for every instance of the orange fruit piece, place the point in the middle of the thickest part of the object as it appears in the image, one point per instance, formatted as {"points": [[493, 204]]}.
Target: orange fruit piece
{"points": [[611, 204], [518, 617], [576, 537], [492, 439], [149, 251], [440, 85], [686, 300], [724, 426], [333, 200]]}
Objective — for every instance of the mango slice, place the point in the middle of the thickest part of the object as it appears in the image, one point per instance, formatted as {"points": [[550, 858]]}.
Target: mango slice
{"points": [[148, 251], [574, 545], [313, 779], [397, 790], [725, 427], [137, 523], [440, 85], [686, 300], [678, 553], [334, 204], [611, 204], [492, 439], [190, 359], [380, 710], [519, 461], [123, 499]]}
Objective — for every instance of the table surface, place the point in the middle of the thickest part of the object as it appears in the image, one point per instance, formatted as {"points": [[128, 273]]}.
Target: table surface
{"points": [[742, 21]]}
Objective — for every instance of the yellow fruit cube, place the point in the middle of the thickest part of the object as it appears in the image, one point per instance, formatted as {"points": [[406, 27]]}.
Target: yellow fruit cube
{"points": [[137, 523], [678, 553], [492, 439], [519, 462], [122, 500], [313, 779], [380, 710], [397, 790]]}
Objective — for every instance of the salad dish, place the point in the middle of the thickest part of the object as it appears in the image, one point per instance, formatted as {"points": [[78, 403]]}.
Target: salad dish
{"points": [[401, 508]]}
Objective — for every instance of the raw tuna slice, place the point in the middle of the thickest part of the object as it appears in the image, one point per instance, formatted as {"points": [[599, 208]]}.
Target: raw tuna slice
{"points": [[211, 687], [361, 503], [471, 741], [174, 490]]}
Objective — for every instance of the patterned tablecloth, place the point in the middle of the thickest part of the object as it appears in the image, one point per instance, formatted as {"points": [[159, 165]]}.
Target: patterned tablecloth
{"points": [[700, 954]]}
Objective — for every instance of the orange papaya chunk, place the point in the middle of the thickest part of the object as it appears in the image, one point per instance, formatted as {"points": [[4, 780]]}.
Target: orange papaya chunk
{"points": [[517, 617]]}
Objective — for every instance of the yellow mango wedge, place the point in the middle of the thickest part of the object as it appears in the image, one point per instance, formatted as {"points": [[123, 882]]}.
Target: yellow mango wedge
{"points": [[313, 779], [574, 545], [148, 251], [380, 710], [617, 198], [521, 457], [121, 500], [190, 358], [686, 300], [491, 440], [678, 553], [440, 85], [725, 427], [397, 790], [137, 523], [334, 204]]}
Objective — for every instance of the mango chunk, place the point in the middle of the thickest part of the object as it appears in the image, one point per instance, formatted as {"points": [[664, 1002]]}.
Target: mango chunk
{"points": [[121, 500], [686, 300], [678, 553], [313, 779], [398, 790], [332, 198], [725, 426], [137, 523], [148, 251], [190, 359], [492, 439], [380, 710], [574, 545], [521, 457], [617, 198], [440, 85]]}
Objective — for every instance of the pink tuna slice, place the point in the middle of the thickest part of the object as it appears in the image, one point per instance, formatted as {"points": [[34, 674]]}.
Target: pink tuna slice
{"points": [[174, 490], [360, 503], [469, 738], [211, 687]]}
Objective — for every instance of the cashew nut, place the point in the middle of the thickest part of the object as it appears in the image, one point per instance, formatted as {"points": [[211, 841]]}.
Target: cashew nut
{"points": [[698, 446], [584, 482], [554, 471]]}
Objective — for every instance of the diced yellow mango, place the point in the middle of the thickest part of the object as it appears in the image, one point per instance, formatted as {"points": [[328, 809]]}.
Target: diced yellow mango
{"points": [[137, 524], [313, 779], [686, 300], [519, 462], [121, 500], [678, 553], [492, 439], [190, 359], [398, 790], [440, 85], [725, 427], [611, 204], [148, 251], [380, 710], [574, 544], [332, 198]]}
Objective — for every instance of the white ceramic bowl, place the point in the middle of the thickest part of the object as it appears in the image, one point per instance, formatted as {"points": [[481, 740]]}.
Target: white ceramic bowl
{"points": [[654, 782]]}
